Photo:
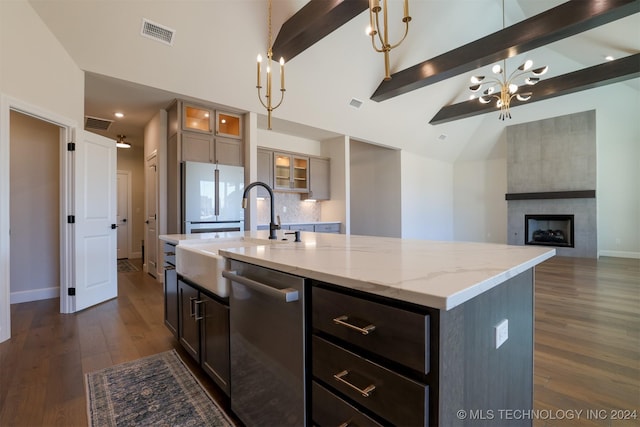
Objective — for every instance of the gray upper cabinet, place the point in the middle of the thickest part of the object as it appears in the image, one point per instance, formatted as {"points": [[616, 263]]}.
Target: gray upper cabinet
{"points": [[290, 172], [196, 118], [319, 179], [228, 125], [265, 170], [197, 147]]}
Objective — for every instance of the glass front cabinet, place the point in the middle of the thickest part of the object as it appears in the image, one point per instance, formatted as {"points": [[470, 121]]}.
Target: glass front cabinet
{"points": [[290, 172]]}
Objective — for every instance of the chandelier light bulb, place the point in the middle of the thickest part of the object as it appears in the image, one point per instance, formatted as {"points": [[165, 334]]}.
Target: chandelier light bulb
{"points": [[540, 71], [524, 67], [513, 88], [497, 69]]}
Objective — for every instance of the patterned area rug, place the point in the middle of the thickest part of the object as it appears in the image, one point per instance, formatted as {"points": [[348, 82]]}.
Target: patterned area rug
{"points": [[124, 266], [156, 390]]}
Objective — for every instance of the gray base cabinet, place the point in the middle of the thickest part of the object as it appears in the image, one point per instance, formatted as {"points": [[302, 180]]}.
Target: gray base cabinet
{"points": [[204, 331]]}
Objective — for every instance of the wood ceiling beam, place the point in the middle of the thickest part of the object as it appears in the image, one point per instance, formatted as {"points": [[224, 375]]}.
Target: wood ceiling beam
{"points": [[599, 75], [312, 23], [563, 21]]}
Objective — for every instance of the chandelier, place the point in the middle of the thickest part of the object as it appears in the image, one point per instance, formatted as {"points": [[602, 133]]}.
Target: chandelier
{"points": [[381, 29], [502, 88], [268, 100]]}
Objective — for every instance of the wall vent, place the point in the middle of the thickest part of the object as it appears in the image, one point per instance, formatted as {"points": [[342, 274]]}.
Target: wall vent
{"points": [[157, 32], [96, 123], [355, 103]]}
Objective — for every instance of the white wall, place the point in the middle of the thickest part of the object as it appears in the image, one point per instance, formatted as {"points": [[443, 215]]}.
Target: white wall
{"points": [[618, 187], [36, 70], [375, 190], [280, 141], [427, 198]]}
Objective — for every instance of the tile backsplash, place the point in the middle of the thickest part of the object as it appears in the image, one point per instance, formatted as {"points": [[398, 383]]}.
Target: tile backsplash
{"points": [[290, 208]]}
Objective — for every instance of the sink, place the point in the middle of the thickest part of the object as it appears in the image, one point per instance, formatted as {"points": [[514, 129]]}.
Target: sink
{"points": [[202, 264]]}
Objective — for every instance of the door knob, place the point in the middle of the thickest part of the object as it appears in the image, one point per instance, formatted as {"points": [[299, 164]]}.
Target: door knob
{"points": [[113, 226], [124, 220]]}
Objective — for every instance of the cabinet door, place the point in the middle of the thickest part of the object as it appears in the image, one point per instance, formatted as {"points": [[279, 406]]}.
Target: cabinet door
{"points": [[189, 328], [265, 170], [300, 173], [197, 147], [281, 171], [196, 118], [319, 179], [215, 341], [229, 125], [171, 299], [229, 152]]}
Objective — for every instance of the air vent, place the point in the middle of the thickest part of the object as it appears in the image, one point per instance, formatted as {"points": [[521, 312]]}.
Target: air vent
{"points": [[157, 32], [97, 123], [355, 103]]}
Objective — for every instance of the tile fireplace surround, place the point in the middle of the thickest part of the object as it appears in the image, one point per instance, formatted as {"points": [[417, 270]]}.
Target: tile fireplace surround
{"points": [[551, 170]]}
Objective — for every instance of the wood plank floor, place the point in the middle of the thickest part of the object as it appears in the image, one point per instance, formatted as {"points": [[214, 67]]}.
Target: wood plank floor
{"points": [[587, 346]]}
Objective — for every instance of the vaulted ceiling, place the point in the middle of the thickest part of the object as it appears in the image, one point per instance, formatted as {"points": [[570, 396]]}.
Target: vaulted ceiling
{"points": [[330, 61]]}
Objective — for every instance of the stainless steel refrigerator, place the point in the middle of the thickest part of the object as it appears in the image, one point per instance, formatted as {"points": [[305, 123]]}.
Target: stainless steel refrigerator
{"points": [[212, 197]]}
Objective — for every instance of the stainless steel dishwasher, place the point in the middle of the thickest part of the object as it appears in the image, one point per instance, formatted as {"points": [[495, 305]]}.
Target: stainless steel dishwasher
{"points": [[268, 346]]}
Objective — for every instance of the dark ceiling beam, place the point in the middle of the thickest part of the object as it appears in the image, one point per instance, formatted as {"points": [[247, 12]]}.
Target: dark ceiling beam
{"points": [[313, 22], [563, 21], [588, 78]]}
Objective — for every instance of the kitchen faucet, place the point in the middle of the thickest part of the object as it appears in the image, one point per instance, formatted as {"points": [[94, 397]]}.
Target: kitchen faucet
{"points": [[272, 225]]}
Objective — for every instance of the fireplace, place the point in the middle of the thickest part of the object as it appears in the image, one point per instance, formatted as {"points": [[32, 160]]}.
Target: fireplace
{"points": [[549, 230]]}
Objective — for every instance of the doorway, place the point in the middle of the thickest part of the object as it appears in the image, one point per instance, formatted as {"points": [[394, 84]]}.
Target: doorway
{"points": [[34, 217], [123, 214], [151, 238]]}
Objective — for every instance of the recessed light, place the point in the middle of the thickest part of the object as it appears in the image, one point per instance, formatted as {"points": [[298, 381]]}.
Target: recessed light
{"points": [[609, 58], [118, 115]]}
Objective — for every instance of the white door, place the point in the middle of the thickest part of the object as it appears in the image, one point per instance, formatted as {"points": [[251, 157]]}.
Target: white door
{"points": [[151, 240], [96, 277], [122, 216]]}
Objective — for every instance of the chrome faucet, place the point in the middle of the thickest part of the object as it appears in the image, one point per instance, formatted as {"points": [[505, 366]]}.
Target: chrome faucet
{"points": [[272, 225]]}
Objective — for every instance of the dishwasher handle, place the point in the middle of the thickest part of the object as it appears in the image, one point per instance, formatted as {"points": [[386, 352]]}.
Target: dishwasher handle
{"points": [[287, 294]]}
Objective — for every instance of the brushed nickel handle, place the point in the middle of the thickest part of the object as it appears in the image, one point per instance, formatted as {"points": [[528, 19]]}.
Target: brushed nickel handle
{"points": [[198, 314], [284, 295], [341, 320], [169, 267], [365, 393], [191, 306]]}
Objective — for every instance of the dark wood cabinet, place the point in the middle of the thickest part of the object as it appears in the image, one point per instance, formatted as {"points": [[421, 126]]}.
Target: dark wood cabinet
{"points": [[170, 289], [374, 355], [204, 331]]}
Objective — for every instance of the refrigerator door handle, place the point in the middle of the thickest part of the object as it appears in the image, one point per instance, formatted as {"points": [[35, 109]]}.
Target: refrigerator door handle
{"points": [[216, 184]]}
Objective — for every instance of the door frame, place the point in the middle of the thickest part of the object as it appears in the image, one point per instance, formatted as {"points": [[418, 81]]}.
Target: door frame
{"points": [[129, 211], [67, 134]]}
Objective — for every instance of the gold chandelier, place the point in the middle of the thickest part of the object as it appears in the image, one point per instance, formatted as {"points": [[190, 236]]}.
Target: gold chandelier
{"points": [[268, 102], [382, 30], [503, 88]]}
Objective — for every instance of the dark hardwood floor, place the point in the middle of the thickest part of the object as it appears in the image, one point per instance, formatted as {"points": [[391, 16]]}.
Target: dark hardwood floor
{"points": [[587, 346]]}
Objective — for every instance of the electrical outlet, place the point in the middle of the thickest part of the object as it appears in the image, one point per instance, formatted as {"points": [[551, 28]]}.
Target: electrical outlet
{"points": [[501, 332]]}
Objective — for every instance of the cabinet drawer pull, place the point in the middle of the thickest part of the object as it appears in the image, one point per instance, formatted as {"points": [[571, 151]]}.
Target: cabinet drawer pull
{"points": [[366, 392], [364, 331], [169, 267], [169, 253], [191, 306], [198, 311]]}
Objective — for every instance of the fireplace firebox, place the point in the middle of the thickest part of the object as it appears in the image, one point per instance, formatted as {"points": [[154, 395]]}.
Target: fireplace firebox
{"points": [[549, 230]]}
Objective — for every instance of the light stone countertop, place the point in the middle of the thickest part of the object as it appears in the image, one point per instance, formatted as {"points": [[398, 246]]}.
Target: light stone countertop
{"points": [[435, 274]]}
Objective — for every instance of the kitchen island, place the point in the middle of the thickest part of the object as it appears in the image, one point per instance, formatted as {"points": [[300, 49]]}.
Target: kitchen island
{"points": [[407, 331]]}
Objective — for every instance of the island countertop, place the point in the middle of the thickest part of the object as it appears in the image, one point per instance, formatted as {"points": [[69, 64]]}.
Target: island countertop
{"points": [[435, 274]]}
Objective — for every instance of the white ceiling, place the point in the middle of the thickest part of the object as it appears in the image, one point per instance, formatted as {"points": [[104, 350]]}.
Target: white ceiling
{"points": [[216, 43]]}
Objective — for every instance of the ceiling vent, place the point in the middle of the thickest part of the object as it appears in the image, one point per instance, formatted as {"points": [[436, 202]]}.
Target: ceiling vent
{"points": [[96, 123], [355, 103], [157, 32]]}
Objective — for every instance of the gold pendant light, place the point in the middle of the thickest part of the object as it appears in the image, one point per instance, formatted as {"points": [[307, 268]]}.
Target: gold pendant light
{"points": [[381, 29], [268, 101]]}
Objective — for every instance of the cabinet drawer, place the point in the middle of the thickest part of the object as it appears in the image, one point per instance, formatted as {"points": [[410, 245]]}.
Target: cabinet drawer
{"points": [[170, 253], [393, 397], [327, 228], [397, 334], [329, 410]]}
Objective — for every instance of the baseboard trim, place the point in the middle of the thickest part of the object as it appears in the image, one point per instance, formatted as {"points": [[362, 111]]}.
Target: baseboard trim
{"points": [[620, 254], [35, 295]]}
